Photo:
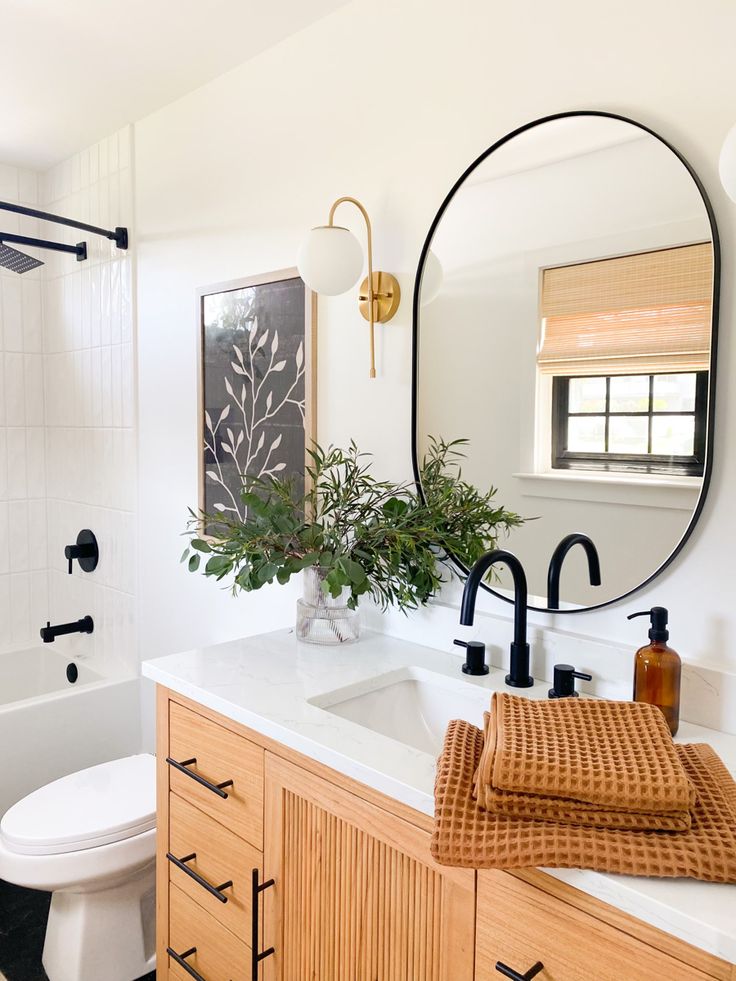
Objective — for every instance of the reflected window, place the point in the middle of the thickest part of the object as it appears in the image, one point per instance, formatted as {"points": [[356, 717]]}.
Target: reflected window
{"points": [[650, 423]]}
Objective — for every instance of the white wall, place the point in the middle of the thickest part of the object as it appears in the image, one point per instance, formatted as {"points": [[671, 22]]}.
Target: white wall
{"points": [[390, 103], [23, 559]]}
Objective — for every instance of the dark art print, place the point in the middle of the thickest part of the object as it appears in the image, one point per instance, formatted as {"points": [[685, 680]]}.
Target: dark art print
{"points": [[256, 388]]}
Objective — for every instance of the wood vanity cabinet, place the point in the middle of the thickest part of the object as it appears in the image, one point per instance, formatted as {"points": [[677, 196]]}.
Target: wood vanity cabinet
{"points": [[357, 896], [260, 848]]}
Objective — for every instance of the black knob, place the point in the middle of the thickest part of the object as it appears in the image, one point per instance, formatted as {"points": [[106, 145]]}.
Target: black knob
{"points": [[475, 657], [564, 681]]}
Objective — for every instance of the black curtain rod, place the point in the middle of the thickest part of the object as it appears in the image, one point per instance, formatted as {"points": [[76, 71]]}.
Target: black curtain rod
{"points": [[119, 236]]}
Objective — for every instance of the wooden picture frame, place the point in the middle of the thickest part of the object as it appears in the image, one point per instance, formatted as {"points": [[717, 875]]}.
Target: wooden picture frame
{"points": [[257, 337]]}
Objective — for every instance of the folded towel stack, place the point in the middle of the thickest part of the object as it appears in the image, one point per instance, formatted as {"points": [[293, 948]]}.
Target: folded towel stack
{"points": [[582, 784], [586, 762]]}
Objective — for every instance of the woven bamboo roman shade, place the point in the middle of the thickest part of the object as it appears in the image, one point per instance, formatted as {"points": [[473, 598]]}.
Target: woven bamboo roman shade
{"points": [[632, 314]]}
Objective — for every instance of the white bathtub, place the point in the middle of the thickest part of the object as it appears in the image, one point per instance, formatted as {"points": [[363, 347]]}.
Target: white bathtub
{"points": [[50, 727]]}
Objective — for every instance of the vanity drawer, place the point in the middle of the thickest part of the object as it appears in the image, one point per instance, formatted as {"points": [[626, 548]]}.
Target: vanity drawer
{"points": [[221, 756], [520, 925], [219, 956], [220, 857]]}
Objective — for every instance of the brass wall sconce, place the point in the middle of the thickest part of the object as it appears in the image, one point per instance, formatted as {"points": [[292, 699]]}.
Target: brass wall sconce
{"points": [[330, 262]]}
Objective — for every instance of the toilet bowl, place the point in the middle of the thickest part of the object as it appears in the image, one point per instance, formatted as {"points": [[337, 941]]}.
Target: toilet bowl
{"points": [[90, 839]]}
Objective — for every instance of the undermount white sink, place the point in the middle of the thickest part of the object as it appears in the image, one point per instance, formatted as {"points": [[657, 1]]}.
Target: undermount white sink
{"points": [[410, 705]]}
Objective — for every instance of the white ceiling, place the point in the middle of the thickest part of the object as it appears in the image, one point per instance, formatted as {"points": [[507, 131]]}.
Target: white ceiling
{"points": [[76, 70]]}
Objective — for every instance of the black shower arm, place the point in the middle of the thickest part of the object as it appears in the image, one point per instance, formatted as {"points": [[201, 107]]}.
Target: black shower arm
{"points": [[80, 251], [119, 236]]}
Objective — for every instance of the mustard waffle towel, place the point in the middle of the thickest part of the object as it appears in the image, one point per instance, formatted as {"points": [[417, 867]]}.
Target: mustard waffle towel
{"points": [[466, 836], [581, 761]]}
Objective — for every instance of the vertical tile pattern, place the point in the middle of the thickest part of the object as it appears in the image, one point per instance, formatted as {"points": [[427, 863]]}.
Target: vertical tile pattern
{"points": [[67, 436], [90, 443], [23, 530]]}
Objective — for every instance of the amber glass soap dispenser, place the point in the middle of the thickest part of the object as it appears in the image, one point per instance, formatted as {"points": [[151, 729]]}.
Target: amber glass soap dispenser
{"points": [[657, 669]]}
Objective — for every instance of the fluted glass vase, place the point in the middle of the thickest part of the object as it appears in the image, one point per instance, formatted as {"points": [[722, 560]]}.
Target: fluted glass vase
{"points": [[321, 618]]}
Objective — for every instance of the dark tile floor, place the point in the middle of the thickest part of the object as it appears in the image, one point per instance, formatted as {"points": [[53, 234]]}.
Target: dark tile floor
{"points": [[23, 915]]}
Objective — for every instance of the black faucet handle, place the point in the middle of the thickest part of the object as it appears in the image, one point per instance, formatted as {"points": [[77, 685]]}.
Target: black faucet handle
{"points": [[564, 681], [86, 551], [475, 656]]}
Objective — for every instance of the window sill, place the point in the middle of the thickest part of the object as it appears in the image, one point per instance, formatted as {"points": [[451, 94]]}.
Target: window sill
{"points": [[636, 490]]}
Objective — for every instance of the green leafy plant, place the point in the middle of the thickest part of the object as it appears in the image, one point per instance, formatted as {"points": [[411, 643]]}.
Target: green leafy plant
{"points": [[361, 534]]}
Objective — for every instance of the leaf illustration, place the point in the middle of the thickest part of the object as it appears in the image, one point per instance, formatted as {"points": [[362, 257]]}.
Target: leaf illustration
{"points": [[278, 467], [261, 441], [275, 342], [237, 369], [241, 437], [229, 389], [299, 357], [212, 475], [238, 353], [226, 447], [279, 366], [230, 436], [261, 341], [224, 414], [219, 507], [269, 401], [276, 443], [208, 420]]}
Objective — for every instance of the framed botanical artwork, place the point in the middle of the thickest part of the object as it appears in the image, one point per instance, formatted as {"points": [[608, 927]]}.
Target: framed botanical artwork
{"points": [[257, 385]]}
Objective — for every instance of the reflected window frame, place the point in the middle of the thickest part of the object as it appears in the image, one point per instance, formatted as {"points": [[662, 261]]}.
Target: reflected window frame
{"points": [[629, 463]]}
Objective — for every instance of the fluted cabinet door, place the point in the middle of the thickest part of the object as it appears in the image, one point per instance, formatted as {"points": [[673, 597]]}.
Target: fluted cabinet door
{"points": [[357, 895]]}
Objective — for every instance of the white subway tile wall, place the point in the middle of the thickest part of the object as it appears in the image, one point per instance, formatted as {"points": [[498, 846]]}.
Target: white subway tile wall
{"points": [[23, 520], [67, 416]]}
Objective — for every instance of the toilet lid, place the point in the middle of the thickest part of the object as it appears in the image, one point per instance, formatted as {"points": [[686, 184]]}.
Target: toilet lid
{"points": [[97, 806]]}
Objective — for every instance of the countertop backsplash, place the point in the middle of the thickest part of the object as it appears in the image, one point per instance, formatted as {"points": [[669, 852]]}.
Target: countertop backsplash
{"points": [[708, 691]]}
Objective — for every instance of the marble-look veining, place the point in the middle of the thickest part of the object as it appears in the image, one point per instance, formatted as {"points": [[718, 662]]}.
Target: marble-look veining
{"points": [[281, 689]]}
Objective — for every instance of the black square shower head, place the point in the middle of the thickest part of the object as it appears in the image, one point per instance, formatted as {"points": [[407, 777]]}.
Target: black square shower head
{"points": [[16, 261]]}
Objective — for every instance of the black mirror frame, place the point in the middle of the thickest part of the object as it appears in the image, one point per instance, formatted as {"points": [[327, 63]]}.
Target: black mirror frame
{"points": [[713, 350]]}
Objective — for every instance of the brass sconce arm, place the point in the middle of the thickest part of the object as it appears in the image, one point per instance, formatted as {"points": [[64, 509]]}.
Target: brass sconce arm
{"points": [[380, 294]]}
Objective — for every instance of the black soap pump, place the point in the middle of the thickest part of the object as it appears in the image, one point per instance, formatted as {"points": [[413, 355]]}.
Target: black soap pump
{"points": [[657, 668]]}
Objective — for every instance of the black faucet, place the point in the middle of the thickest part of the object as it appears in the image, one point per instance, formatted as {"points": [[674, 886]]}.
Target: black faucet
{"points": [[518, 676], [84, 626], [558, 557]]}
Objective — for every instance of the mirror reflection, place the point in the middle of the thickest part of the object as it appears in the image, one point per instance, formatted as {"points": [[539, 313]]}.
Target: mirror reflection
{"points": [[568, 334]]}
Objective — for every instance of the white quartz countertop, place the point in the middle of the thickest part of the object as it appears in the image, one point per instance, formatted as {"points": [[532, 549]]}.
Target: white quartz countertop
{"points": [[282, 689]]}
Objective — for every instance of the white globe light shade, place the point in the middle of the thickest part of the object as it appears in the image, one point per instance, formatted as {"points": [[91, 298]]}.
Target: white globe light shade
{"points": [[330, 260], [432, 277], [727, 164]]}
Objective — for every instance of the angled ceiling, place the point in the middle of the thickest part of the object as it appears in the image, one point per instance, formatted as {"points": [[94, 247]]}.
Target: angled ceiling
{"points": [[76, 70]]}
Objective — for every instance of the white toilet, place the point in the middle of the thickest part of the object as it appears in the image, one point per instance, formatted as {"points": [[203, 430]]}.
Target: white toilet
{"points": [[90, 839]]}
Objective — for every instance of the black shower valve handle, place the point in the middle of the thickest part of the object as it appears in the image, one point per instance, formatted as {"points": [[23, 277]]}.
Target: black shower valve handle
{"points": [[86, 551]]}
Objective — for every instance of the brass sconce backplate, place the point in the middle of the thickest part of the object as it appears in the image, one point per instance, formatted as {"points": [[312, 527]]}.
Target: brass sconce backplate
{"points": [[386, 297]]}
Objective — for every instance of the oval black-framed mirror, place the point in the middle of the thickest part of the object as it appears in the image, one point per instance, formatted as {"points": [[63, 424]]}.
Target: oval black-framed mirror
{"points": [[565, 323]]}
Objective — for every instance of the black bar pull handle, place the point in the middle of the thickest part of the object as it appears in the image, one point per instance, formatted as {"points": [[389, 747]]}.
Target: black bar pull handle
{"points": [[256, 958], [215, 891], [216, 788], [509, 972], [180, 960]]}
